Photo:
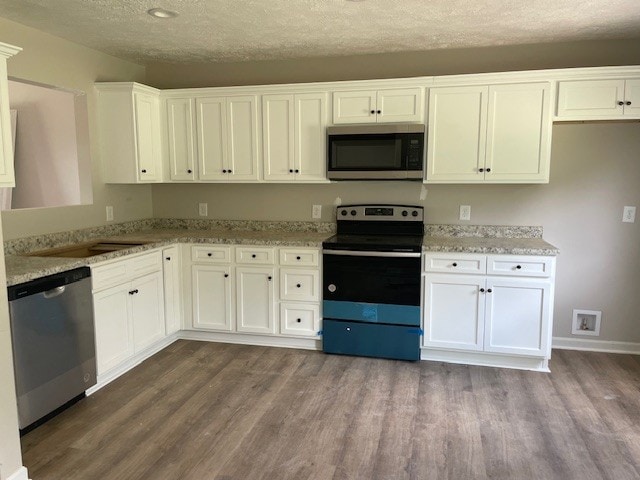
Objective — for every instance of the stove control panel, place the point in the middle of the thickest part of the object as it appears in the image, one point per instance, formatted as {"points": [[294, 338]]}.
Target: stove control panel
{"points": [[378, 213]]}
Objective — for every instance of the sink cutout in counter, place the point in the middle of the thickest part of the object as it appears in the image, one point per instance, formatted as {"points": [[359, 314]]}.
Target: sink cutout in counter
{"points": [[89, 249]]}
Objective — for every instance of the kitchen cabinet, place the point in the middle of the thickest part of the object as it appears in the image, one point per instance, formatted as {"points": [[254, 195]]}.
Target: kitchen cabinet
{"points": [[378, 106], [504, 306], [599, 99], [129, 133], [255, 299], [128, 297], [172, 288], [7, 176], [294, 137], [211, 286], [181, 139], [489, 134], [227, 138]]}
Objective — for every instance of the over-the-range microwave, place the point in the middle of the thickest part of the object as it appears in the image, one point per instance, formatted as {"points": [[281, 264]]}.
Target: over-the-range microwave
{"points": [[375, 152]]}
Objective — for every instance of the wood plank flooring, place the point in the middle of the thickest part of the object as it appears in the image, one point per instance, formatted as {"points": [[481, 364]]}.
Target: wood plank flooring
{"points": [[208, 411]]}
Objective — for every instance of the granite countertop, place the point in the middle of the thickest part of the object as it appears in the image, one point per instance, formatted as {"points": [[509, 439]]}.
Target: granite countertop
{"points": [[439, 238]]}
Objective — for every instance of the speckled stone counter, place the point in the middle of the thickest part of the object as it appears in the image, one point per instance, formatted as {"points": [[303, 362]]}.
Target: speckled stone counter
{"points": [[162, 232]]}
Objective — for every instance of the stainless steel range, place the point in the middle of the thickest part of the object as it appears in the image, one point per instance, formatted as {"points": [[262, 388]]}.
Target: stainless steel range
{"points": [[371, 285]]}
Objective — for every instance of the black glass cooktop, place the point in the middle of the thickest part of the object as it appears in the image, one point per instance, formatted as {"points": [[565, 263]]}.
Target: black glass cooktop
{"points": [[375, 243]]}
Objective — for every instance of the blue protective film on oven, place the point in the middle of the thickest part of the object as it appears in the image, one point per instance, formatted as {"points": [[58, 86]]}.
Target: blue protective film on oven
{"points": [[372, 312]]}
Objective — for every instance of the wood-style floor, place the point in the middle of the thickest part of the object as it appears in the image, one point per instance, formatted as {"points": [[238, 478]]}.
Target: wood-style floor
{"points": [[206, 411]]}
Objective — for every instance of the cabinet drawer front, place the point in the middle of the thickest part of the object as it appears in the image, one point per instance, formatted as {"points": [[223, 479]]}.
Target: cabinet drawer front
{"points": [[143, 264], [455, 263], [255, 255], [301, 285], [211, 254], [529, 266], [298, 256], [299, 319], [109, 275]]}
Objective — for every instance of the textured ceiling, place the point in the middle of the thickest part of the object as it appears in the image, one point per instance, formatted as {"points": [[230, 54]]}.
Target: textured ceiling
{"points": [[225, 31]]}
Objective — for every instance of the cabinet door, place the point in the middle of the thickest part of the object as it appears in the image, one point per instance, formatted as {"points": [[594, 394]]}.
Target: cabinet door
{"points": [[632, 97], [181, 138], [457, 134], [453, 311], [400, 105], [254, 300], [278, 137], [242, 138], [310, 136], [518, 133], [211, 287], [7, 177], [172, 299], [147, 137], [211, 121], [147, 310], [590, 99], [517, 316], [354, 107], [114, 336]]}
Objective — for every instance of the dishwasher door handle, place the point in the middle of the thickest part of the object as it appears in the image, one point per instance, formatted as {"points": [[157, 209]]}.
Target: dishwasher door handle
{"points": [[54, 292], [358, 253]]}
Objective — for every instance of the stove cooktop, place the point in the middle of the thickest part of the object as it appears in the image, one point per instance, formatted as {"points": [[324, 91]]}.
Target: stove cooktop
{"points": [[375, 243]]}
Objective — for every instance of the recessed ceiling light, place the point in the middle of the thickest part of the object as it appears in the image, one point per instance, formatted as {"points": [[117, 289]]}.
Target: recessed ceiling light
{"points": [[161, 13]]}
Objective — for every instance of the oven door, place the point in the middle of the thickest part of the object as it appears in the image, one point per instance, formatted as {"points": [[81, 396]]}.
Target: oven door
{"points": [[375, 287]]}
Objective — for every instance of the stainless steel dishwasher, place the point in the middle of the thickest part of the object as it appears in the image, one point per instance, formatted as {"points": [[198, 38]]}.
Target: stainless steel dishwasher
{"points": [[53, 342]]}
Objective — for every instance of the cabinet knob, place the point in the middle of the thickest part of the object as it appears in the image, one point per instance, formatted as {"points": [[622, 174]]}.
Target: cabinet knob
{"points": [[209, 254], [620, 103], [518, 267], [481, 169], [189, 171], [298, 285], [269, 278], [487, 170], [627, 102], [230, 171], [224, 171], [299, 320], [167, 258], [253, 255], [226, 275], [291, 170], [455, 264], [489, 290], [144, 170], [297, 171], [373, 112], [482, 290], [379, 112], [297, 258]]}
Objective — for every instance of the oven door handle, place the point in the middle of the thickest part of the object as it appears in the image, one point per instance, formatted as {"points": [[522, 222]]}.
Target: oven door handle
{"points": [[372, 254]]}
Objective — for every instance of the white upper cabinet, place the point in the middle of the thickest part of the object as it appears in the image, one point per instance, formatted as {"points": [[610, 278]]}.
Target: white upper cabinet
{"points": [[489, 134], [599, 99], [181, 138], [7, 177], [378, 106], [211, 122], [294, 137], [129, 133]]}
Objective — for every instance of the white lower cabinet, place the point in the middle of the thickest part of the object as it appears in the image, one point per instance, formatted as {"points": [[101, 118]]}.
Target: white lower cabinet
{"points": [[128, 309], [508, 312], [299, 319], [172, 288], [211, 288], [255, 300]]}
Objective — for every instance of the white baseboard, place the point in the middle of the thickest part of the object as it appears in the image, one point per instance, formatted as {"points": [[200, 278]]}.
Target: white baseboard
{"points": [[483, 359], [20, 474], [590, 345]]}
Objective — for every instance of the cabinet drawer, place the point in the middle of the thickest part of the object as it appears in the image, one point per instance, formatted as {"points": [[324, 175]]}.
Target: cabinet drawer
{"points": [[299, 319], [125, 269], [255, 255], [299, 256], [301, 285], [529, 266], [211, 254], [455, 263]]}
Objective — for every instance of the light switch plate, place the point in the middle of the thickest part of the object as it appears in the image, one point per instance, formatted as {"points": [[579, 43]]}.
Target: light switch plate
{"points": [[202, 209], [109, 213], [629, 214], [316, 211], [465, 212]]}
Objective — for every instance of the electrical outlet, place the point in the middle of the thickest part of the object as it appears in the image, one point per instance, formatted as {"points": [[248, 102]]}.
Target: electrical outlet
{"points": [[316, 211], [629, 214], [465, 212], [202, 209], [109, 213]]}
